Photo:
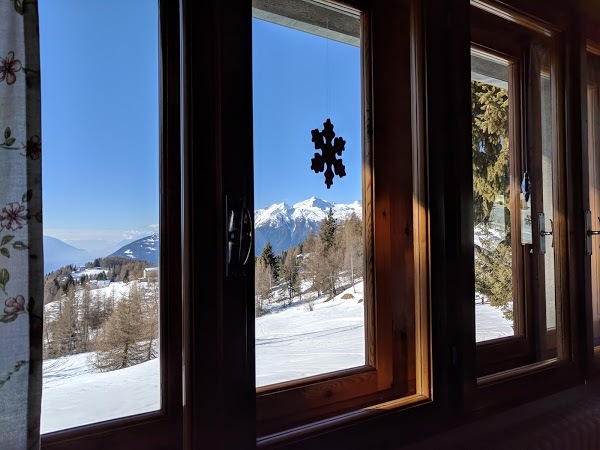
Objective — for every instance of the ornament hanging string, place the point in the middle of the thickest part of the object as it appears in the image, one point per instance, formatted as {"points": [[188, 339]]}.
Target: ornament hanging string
{"points": [[327, 72]]}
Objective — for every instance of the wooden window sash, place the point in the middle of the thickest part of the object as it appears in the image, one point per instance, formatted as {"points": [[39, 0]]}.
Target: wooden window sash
{"points": [[504, 353], [532, 342], [393, 369]]}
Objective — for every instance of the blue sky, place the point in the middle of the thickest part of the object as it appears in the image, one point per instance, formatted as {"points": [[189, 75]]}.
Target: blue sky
{"points": [[100, 116], [299, 81], [99, 63]]}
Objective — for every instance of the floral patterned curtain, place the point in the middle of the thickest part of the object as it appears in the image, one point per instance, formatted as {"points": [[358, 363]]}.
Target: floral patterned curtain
{"points": [[21, 261]]}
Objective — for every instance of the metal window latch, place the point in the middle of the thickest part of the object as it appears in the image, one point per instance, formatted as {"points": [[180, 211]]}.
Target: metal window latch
{"points": [[589, 232], [239, 230], [544, 233]]}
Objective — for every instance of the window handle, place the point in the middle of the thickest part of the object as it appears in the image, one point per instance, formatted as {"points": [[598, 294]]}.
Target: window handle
{"points": [[544, 233], [589, 232], [246, 236], [239, 231]]}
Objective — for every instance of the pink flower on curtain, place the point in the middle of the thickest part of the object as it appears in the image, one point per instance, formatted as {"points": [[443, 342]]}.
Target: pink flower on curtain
{"points": [[13, 216], [8, 68], [14, 305], [33, 148]]}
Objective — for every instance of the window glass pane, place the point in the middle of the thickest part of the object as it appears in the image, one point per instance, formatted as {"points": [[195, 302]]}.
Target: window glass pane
{"points": [[494, 209], [309, 294], [548, 195], [544, 202], [99, 64], [593, 98]]}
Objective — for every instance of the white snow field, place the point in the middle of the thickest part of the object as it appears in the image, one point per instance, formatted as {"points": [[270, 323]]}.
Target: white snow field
{"points": [[296, 342], [291, 343], [490, 323], [75, 394]]}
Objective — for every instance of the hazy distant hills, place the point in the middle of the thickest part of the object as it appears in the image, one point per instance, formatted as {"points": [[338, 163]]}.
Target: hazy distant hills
{"points": [[58, 253]]}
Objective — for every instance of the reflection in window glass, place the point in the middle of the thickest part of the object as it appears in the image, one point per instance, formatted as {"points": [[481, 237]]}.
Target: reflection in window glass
{"points": [[548, 199], [99, 64], [492, 205], [593, 102], [309, 296]]}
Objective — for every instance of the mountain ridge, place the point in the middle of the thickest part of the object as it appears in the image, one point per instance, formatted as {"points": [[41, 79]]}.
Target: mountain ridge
{"points": [[146, 248], [282, 225], [286, 226]]}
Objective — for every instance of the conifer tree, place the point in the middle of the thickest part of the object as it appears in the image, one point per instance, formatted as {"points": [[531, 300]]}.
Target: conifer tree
{"points": [[489, 127], [122, 343], [290, 272], [150, 302], [65, 329], [97, 314], [353, 248], [269, 258], [262, 285], [86, 300], [69, 281], [327, 231], [329, 252], [491, 156], [312, 263]]}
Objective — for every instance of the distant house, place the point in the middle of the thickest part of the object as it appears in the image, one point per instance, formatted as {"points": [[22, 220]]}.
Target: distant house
{"points": [[151, 273]]}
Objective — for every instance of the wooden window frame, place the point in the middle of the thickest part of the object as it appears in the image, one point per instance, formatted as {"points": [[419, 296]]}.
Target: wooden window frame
{"points": [[161, 428], [396, 373], [533, 343]]}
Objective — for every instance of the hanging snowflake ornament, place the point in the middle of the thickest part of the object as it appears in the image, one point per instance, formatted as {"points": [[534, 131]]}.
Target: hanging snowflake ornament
{"points": [[324, 141]]}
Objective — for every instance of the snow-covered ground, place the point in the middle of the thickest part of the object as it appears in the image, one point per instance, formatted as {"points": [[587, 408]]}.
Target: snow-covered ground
{"points": [[490, 323], [88, 272], [74, 394], [297, 342], [291, 342]]}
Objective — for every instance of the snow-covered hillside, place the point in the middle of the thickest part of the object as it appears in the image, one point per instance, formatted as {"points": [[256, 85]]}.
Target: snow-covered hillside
{"points": [[74, 394], [307, 339], [285, 226], [146, 249], [291, 342]]}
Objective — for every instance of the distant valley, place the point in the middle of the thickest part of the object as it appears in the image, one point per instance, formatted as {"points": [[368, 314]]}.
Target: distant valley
{"points": [[58, 253]]}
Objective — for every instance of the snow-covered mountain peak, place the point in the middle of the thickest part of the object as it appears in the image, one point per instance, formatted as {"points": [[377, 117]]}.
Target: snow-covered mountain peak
{"points": [[277, 208], [273, 214], [285, 226], [314, 202]]}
